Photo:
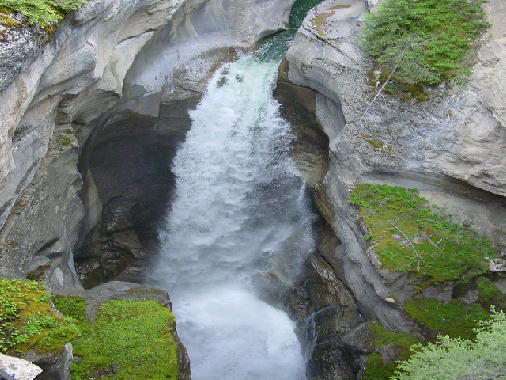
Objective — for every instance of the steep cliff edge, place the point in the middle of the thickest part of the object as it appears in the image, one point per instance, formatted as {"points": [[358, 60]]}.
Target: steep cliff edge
{"points": [[449, 147]]}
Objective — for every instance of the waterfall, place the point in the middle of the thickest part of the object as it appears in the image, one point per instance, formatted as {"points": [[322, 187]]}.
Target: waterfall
{"points": [[237, 231]]}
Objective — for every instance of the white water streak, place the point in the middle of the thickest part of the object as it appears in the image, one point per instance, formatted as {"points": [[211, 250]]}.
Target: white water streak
{"points": [[237, 220]]}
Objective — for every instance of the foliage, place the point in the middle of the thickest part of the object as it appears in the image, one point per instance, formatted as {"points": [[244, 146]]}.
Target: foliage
{"points": [[423, 41], [26, 319], [42, 12], [450, 359], [408, 236], [375, 368], [128, 340], [454, 318]]}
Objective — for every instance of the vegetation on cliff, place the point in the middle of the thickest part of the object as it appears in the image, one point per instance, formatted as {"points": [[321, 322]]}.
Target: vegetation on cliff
{"points": [[448, 359], [376, 368], [41, 12], [127, 340], [454, 318], [407, 235], [27, 321], [422, 42]]}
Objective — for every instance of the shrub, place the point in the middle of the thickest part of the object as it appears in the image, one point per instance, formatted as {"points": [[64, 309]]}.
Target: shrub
{"points": [[449, 358], [422, 42], [42, 12]]}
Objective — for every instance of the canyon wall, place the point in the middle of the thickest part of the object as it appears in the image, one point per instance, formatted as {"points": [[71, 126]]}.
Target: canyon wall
{"points": [[114, 71], [449, 147]]}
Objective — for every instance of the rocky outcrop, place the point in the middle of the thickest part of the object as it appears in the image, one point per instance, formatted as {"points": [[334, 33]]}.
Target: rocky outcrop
{"points": [[108, 64], [17, 369], [449, 147], [458, 132], [117, 290]]}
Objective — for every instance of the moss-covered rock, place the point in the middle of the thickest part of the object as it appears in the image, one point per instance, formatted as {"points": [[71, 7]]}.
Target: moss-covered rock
{"points": [[128, 332], [389, 348], [27, 321], [454, 318], [127, 340], [407, 235]]}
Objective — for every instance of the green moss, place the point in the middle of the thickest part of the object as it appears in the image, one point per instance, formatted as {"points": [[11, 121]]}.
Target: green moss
{"points": [[490, 295], [376, 368], [128, 340], [7, 20], [74, 307], [26, 319], [487, 288], [408, 236], [381, 336], [67, 140], [455, 318], [42, 12]]}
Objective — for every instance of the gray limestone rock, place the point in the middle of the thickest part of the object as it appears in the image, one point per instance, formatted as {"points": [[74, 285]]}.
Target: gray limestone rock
{"points": [[449, 147], [109, 58], [17, 369]]}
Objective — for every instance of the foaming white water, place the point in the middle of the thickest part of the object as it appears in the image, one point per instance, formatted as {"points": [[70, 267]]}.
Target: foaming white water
{"points": [[237, 227]]}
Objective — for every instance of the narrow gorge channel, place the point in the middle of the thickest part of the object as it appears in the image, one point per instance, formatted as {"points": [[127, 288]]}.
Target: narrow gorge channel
{"points": [[238, 229]]}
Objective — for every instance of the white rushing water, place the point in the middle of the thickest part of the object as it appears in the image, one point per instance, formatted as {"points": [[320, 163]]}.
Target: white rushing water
{"points": [[238, 228]]}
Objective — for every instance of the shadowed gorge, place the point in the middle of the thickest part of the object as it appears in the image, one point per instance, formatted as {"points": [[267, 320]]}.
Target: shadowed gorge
{"points": [[252, 189]]}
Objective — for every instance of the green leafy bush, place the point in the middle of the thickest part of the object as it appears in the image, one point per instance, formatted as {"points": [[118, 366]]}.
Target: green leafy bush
{"points": [[422, 42], [41, 12], [449, 359]]}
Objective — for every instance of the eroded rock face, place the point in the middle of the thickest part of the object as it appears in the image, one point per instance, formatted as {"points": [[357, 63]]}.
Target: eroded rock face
{"points": [[449, 147], [108, 59], [459, 132]]}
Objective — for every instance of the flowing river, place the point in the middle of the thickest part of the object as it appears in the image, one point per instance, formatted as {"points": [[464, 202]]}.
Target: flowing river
{"points": [[238, 228]]}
